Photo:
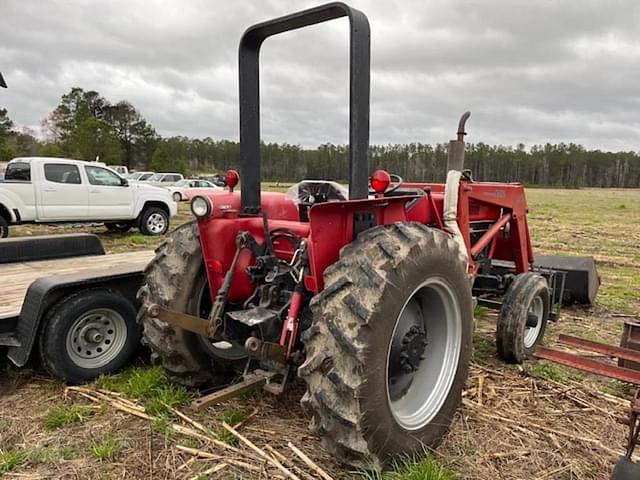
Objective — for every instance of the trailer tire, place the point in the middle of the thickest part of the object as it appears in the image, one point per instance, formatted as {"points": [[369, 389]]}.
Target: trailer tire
{"points": [[527, 295], [366, 406], [4, 227], [172, 280], [87, 334]]}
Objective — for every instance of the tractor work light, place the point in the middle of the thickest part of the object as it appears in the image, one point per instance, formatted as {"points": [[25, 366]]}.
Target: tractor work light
{"points": [[201, 206], [232, 179], [380, 180]]}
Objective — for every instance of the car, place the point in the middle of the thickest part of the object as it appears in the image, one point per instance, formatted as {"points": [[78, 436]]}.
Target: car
{"points": [[139, 176], [163, 179], [178, 190], [218, 179], [62, 190], [121, 169]]}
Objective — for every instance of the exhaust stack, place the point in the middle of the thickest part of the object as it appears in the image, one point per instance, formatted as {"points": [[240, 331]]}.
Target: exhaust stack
{"points": [[455, 157]]}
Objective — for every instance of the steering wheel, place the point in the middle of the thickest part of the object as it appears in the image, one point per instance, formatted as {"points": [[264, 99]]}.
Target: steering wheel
{"points": [[396, 181]]}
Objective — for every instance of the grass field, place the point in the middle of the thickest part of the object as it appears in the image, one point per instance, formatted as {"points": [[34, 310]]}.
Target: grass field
{"points": [[537, 421]]}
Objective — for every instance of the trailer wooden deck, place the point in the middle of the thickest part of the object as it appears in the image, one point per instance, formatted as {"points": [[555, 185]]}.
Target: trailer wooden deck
{"points": [[15, 278]]}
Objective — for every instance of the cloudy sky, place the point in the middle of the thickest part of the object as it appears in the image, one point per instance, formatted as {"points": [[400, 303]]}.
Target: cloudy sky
{"points": [[531, 71]]}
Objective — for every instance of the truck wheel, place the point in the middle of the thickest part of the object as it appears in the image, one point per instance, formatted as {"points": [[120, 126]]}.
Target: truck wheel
{"points": [[177, 197], [523, 317], [389, 346], [175, 279], [4, 227], [121, 227], [88, 334], [154, 221]]}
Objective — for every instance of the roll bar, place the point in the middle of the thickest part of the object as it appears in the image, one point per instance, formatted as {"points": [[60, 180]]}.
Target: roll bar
{"points": [[359, 71]]}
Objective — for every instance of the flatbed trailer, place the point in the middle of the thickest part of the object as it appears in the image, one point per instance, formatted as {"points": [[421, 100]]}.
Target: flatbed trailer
{"points": [[65, 297]]}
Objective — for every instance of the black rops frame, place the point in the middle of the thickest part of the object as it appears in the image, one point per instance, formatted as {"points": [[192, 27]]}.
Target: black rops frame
{"points": [[359, 61]]}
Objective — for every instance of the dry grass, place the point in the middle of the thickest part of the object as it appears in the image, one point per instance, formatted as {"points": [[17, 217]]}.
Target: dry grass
{"points": [[537, 422]]}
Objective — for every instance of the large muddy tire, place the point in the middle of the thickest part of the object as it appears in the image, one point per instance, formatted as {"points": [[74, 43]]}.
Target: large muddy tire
{"points": [[625, 469], [174, 280], [389, 347], [523, 317]]}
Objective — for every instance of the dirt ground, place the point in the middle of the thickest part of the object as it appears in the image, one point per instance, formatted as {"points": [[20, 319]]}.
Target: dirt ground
{"points": [[539, 421]]}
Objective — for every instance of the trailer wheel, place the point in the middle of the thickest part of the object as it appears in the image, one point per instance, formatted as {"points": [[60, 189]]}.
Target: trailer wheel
{"points": [[389, 346], [154, 221], [121, 227], [175, 279], [523, 317], [87, 334], [4, 227]]}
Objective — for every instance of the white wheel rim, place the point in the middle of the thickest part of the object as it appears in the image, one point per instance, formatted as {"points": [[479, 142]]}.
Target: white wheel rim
{"points": [[177, 197], [434, 305], [96, 338], [531, 333], [156, 223]]}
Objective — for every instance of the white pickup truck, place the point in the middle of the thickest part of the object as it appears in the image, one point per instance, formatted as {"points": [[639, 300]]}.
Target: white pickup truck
{"points": [[59, 190]]}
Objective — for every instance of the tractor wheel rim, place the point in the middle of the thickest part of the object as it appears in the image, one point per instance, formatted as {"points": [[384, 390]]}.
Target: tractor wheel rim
{"points": [[230, 351], [96, 338], [531, 333], [156, 223], [415, 397]]}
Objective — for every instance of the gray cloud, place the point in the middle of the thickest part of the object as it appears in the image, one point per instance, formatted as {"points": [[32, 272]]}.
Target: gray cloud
{"points": [[531, 71]]}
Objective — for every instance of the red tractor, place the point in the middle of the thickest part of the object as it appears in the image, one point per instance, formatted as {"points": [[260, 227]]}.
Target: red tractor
{"points": [[368, 295]]}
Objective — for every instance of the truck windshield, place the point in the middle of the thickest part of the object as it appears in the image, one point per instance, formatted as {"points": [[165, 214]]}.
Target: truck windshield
{"points": [[18, 172]]}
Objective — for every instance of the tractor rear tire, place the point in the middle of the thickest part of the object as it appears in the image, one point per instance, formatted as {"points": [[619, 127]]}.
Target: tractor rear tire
{"points": [[527, 295], [172, 280], [366, 323]]}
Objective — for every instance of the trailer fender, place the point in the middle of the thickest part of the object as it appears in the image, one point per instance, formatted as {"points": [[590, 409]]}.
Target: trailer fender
{"points": [[45, 292]]}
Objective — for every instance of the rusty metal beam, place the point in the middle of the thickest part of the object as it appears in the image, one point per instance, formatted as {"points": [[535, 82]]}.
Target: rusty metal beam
{"points": [[484, 240], [611, 350], [250, 382], [588, 365], [191, 323]]}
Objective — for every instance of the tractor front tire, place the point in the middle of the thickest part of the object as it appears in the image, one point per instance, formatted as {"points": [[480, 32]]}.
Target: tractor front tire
{"points": [[389, 347], [173, 280], [523, 317]]}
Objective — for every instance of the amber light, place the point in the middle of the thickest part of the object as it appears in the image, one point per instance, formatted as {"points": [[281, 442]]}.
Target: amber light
{"points": [[232, 179], [380, 180]]}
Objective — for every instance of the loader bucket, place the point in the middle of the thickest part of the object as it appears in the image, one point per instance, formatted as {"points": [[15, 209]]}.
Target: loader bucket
{"points": [[581, 280]]}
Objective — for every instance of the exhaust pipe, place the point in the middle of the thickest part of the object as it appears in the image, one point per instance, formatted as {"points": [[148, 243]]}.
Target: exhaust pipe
{"points": [[455, 153]]}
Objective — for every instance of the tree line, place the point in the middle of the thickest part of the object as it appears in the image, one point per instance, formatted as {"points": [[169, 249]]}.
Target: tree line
{"points": [[87, 126]]}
